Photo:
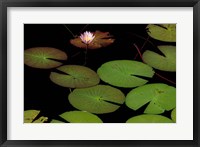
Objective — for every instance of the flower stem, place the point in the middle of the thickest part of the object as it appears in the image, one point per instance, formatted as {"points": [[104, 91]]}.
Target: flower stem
{"points": [[160, 76], [75, 54], [86, 50], [70, 31]]}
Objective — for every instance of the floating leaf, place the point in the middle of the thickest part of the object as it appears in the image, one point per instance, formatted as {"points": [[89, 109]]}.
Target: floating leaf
{"points": [[43, 57], [30, 115], [149, 119], [75, 76], [173, 115], [102, 39], [98, 99], [41, 119], [157, 61], [162, 32], [80, 117], [56, 121], [125, 73], [161, 97]]}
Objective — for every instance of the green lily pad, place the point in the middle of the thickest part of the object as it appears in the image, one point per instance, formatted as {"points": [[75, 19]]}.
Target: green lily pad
{"points": [[43, 57], [161, 97], [162, 32], [30, 115], [75, 76], [125, 73], [173, 115], [144, 118], [98, 99], [157, 61], [80, 117], [41, 119], [56, 121]]}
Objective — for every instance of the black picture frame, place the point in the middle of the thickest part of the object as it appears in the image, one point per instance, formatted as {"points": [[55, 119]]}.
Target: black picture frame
{"points": [[4, 4]]}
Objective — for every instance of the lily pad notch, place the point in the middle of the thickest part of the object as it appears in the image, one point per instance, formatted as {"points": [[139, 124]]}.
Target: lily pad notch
{"points": [[160, 62], [75, 76], [160, 97], [125, 73]]}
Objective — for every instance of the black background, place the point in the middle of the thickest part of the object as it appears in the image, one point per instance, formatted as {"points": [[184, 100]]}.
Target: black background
{"points": [[42, 94]]}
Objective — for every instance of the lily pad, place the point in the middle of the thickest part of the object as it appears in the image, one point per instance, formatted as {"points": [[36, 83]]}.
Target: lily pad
{"points": [[44, 57], [80, 117], [125, 73], [157, 61], [30, 115], [144, 118], [98, 99], [75, 76], [173, 115], [102, 39], [41, 119], [161, 97], [162, 32], [56, 121]]}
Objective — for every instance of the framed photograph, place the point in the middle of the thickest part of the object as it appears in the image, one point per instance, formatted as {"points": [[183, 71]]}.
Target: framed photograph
{"points": [[110, 73]]}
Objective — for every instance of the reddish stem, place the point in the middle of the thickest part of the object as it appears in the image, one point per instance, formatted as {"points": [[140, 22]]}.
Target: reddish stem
{"points": [[138, 52], [155, 72], [142, 47], [165, 78], [142, 38]]}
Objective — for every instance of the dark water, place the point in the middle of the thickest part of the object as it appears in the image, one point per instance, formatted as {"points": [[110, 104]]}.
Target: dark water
{"points": [[42, 94]]}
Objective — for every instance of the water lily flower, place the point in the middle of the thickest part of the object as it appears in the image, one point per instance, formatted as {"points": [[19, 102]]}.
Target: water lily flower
{"points": [[87, 37]]}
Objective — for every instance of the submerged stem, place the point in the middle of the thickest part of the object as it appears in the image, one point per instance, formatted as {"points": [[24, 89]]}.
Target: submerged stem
{"points": [[138, 50], [70, 31], [75, 54], [84, 28], [141, 37], [142, 47], [165, 78]]}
